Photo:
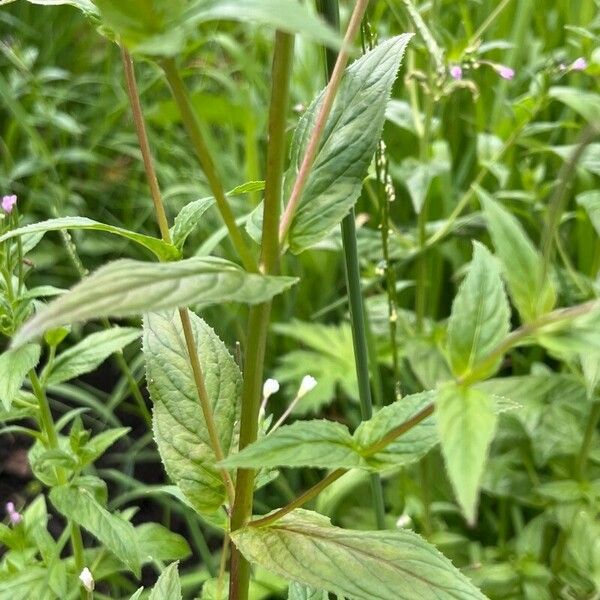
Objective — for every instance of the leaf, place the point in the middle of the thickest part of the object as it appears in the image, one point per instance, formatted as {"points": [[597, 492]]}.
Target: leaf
{"points": [[159, 248], [118, 535], [361, 565], [157, 543], [589, 159], [410, 446], [85, 6], [89, 354], [138, 594], [347, 146], [591, 203], [587, 104], [128, 287], [188, 219], [168, 585], [99, 444], [466, 425], [317, 443], [161, 28], [480, 316], [14, 366], [297, 591], [287, 15], [179, 427], [328, 349], [532, 294]]}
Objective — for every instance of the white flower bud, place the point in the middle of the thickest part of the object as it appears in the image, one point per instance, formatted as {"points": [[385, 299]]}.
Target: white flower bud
{"points": [[87, 580], [270, 387], [403, 521], [308, 383]]}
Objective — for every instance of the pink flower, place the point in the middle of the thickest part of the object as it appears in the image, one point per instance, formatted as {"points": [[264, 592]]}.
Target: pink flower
{"points": [[456, 72], [8, 203], [504, 72], [579, 65], [14, 515]]}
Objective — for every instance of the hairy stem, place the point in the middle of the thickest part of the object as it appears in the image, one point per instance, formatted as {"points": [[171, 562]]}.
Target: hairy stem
{"points": [[194, 131], [260, 315], [330, 93]]}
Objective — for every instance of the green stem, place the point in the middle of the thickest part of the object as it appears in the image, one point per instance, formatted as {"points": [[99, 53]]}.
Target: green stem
{"points": [[194, 131], [330, 10], [207, 412], [588, 438], [48, 428], [259, 317]]}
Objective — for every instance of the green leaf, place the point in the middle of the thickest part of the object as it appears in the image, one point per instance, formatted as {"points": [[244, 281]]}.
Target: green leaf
{"points": [[188, 219], [161, 28], [287, 15], [159, 248], [14, 366], [179, 427], [589, 160], [480, 317], [157, 543], [89, 354], [591, 203], [361, 565], [99, 444], [138, 594], [168, 585], [85, 6], [410, 446], [587, 104], [466, 425], [531, 292], [297, 591], [347, 146], [118, 535], [128, 287], [318, 443]]}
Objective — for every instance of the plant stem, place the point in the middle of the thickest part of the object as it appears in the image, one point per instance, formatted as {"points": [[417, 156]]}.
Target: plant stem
{"points": [[244, 484], [140, 126], [330, 10], [259, 317], [48, 428], [330, 93], [194, 131], [586, 445]]}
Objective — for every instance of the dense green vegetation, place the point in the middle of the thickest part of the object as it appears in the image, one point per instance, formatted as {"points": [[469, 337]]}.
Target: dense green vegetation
{"points": [[255, 344]]}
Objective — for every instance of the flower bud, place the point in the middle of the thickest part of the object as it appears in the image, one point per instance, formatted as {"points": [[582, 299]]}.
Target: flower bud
{"points": [[87, 580], [308, 383], [8, 203]]}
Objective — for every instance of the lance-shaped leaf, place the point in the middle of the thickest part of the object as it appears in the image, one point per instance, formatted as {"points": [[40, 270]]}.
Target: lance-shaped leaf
{"points": [[317, 443], [90, 353], [347, 146], [359, 565], [466, 423], [14, 366], [162, 250], [128, 287], [532, 293], [118, 535], [480, 315], [329, 445], [179, 427]]}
